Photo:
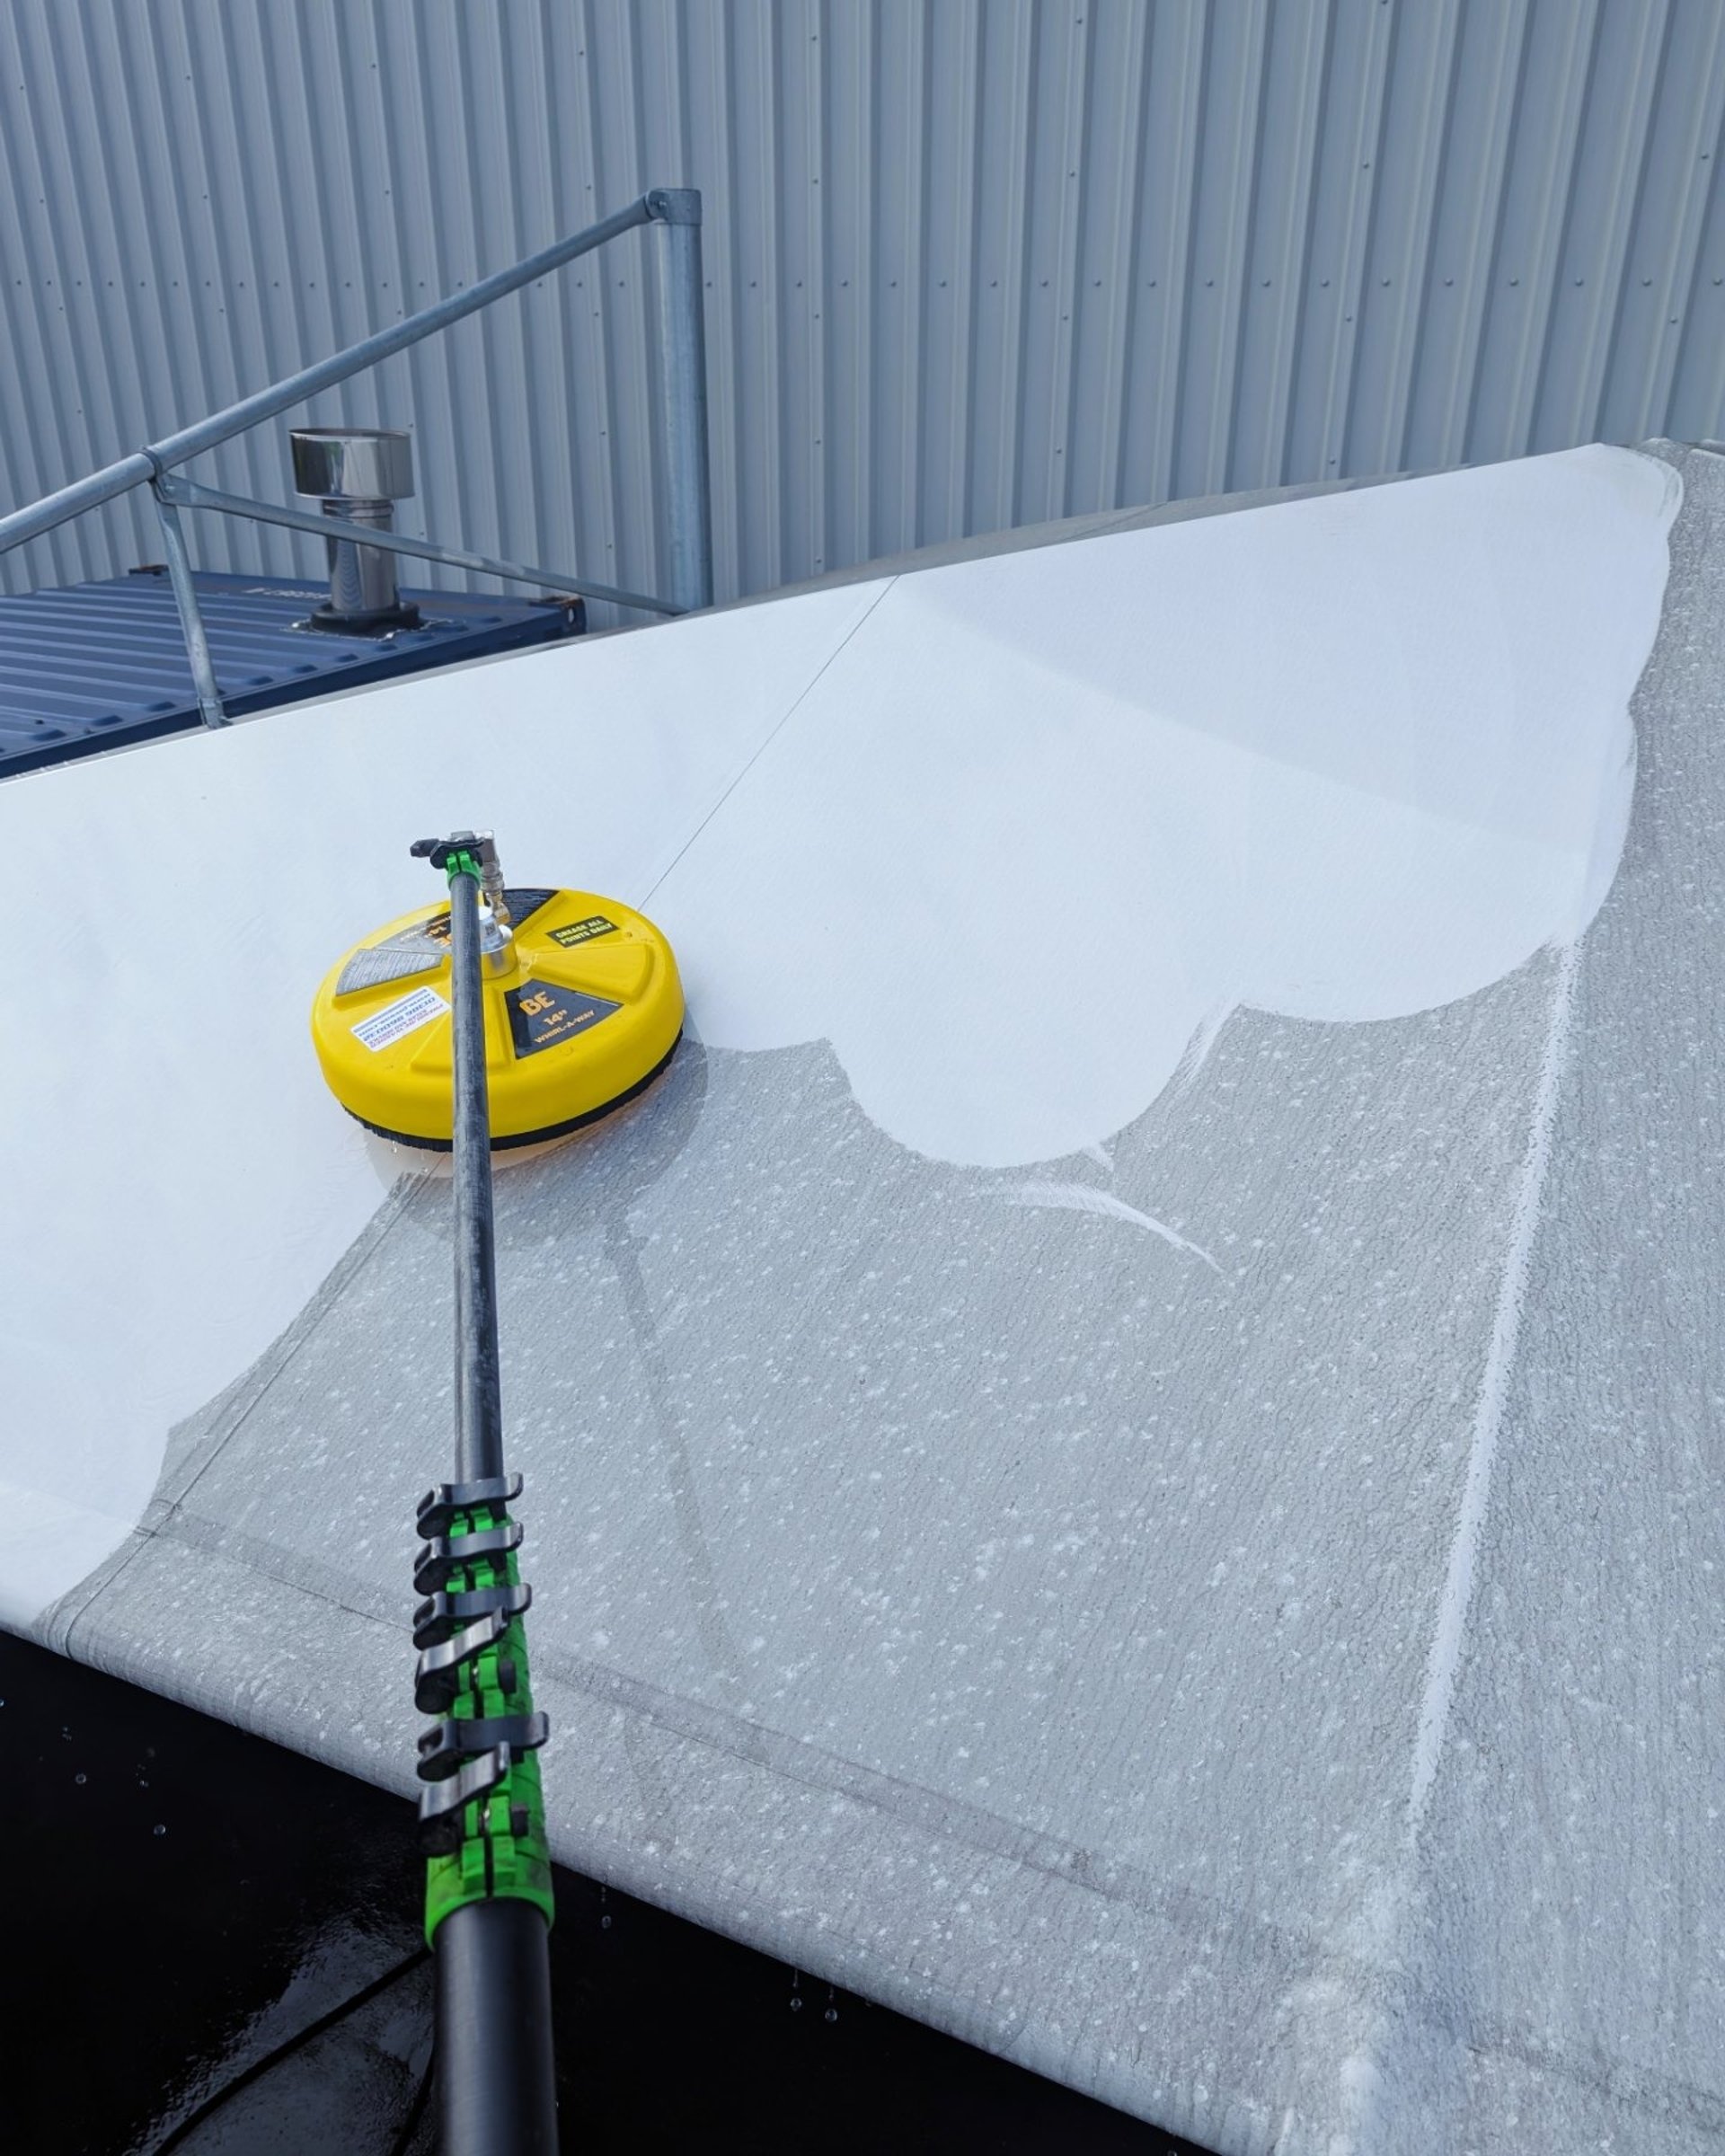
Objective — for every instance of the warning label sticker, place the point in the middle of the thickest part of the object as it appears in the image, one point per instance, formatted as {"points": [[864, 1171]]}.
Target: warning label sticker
{"points": [[583, 932], [543, 1015], [434, 931], [405, 1015], [521, 903]]}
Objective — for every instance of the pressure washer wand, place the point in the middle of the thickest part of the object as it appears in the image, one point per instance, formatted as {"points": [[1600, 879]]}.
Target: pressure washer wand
{"points": [[488, 1880], [479, 1401]]}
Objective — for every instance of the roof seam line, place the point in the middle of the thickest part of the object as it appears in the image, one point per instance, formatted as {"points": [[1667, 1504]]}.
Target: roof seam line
{"points": [[1442, 1666], [803, 698]]}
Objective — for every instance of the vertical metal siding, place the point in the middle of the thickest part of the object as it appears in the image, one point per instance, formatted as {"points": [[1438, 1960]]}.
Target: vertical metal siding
{"points": [[969, 262]]}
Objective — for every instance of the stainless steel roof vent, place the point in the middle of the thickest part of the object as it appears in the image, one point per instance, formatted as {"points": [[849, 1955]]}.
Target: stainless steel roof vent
{"points": [[360, 473]]}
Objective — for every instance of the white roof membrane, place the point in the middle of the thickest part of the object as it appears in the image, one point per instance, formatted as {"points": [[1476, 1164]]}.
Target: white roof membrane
{"points": [[1125, 1454]]}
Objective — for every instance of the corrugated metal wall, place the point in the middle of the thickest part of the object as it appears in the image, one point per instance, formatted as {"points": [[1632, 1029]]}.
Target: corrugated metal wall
{"points": [[971, 262]]}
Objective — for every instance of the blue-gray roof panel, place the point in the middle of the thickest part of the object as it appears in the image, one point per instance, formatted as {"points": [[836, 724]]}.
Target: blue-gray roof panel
{"points": [[89, 665]]}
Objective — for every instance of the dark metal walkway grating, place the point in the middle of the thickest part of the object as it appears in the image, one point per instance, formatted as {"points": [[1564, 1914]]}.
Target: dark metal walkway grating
{"points": [[92, 665]]}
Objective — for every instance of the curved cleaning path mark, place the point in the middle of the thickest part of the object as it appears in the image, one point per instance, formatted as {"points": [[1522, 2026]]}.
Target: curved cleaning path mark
{"points": [[1046, 818], [1083, 1197]]}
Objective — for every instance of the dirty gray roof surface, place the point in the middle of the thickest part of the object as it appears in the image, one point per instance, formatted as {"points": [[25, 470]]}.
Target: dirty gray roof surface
{"points": [[1228, 1616]]}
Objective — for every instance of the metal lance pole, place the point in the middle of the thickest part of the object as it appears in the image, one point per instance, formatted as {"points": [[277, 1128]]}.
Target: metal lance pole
{"points": [[479, 1399], [481, 1817]]}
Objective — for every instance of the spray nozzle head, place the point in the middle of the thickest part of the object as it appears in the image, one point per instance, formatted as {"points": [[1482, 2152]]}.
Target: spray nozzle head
{"points": [[476, 848], [468, 853]]}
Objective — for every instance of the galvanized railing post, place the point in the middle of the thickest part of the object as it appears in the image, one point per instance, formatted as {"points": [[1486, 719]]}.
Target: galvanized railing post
{"points": [[191, 620], [683, 393]]}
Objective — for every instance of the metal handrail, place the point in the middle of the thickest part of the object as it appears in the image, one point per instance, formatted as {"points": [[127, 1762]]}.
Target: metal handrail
{"points": [[183, 495], [683, 401]]}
